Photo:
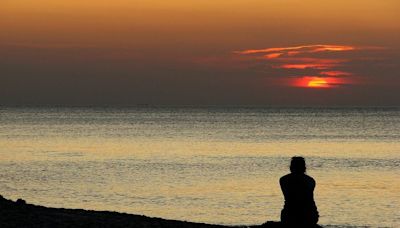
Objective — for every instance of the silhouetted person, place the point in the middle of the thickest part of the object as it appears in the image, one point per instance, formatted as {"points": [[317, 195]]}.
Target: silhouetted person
{"points": [[297, 187]]}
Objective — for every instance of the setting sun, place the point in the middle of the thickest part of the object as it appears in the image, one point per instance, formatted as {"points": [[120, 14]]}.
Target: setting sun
{"points": [[318, 83], [315, 82]]}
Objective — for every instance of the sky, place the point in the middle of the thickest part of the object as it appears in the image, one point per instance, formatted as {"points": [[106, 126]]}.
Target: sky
{"points": [[200, 52]]}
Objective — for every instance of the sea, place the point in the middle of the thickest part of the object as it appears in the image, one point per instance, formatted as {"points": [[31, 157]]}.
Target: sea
{"points": [[211, 164]]}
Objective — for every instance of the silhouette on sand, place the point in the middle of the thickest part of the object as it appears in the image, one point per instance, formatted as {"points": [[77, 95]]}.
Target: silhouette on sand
{"points": [[298, 189]]}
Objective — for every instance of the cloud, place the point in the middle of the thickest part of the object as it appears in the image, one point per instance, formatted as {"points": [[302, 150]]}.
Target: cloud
{"points": [[327, 63], [298, 49], [335, 73]]}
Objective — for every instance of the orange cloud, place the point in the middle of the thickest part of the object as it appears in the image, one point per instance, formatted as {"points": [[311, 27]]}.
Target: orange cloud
{"points": [[333, 48], [306, 66], [273, 55], [299, 49], [335, 73], [309, 63]]}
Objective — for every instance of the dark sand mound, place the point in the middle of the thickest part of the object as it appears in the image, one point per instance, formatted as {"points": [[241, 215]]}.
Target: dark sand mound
{"points": [[20, 214]]}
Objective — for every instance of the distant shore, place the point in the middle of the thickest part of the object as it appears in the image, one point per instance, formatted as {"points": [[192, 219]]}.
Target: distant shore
{"points": [[22, 214]]}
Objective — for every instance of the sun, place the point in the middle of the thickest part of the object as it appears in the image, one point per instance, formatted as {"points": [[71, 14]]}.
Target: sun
{"points": [[318, 83]]}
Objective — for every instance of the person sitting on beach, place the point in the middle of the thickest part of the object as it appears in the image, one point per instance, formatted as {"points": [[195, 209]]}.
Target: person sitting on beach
{"points": [[297, 187]]}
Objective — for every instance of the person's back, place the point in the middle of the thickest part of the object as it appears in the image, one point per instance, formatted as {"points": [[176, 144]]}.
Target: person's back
{"points": [[297, 187]]}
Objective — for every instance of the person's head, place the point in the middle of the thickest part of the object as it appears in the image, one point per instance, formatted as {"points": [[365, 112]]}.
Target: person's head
{"points": [[298, 165]]}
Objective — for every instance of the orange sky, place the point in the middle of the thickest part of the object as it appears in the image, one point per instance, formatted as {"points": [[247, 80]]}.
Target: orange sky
{"points": [[187, 37], [79, 22]]}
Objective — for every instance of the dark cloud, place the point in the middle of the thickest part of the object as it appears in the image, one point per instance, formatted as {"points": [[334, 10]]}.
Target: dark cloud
{"points": [[91, 75]]}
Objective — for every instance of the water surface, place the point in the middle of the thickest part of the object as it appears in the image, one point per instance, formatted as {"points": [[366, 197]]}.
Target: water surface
{"points": [[203, 164]]}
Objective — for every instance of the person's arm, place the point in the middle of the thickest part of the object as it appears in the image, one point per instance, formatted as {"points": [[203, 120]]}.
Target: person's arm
{"points": [[283, 186], [313, 183]]}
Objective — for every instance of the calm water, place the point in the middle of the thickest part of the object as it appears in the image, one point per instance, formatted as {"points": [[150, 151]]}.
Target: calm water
{"points": [[214, 165]]}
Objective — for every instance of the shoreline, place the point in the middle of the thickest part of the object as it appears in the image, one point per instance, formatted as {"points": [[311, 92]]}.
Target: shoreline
{"points": [[22, 214]]}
